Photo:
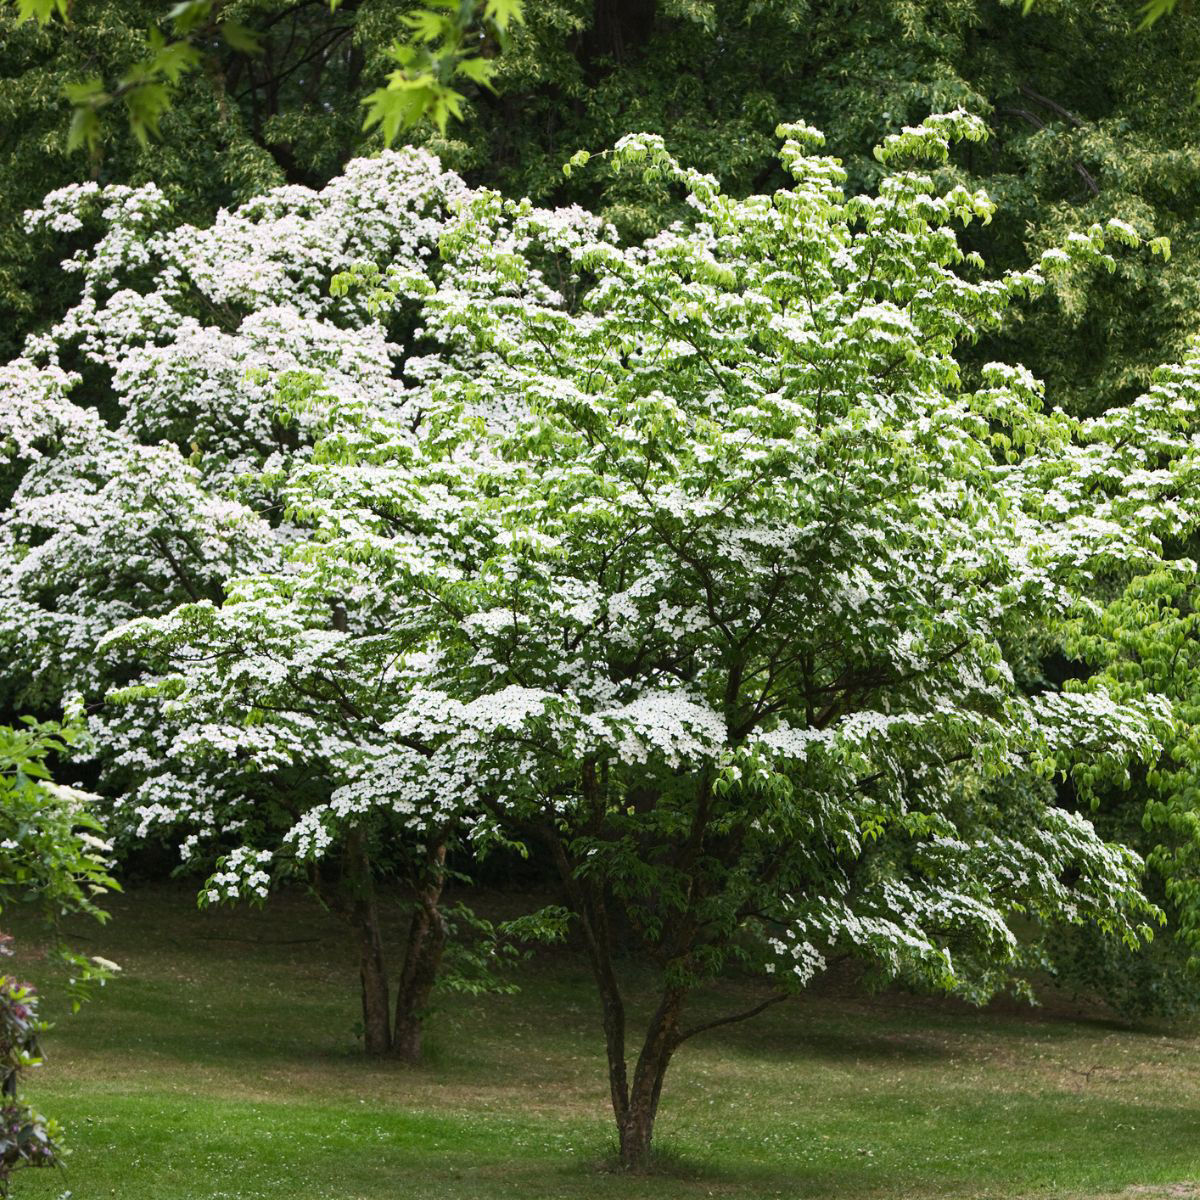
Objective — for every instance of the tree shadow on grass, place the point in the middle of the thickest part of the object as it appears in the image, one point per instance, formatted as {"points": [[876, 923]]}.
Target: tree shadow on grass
{"points": [[1101, 1149]]}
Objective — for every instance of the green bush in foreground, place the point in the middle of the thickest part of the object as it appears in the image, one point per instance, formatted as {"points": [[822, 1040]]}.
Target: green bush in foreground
{"points": [[52, 860]]}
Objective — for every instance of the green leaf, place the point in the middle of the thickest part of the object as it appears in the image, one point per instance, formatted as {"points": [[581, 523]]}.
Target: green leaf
{"points": [[428, 26], [84, 131], [146, 104], [90, 91], [189, 15], [398, 107], [41, 11], [173, 60], [504, 13], [1154, 10], [240, 37], [478, 70]]}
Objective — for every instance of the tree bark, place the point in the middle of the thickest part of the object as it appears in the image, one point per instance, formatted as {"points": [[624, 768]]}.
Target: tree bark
{"points": [[636, 1127], [364, 916], [422, 959]]}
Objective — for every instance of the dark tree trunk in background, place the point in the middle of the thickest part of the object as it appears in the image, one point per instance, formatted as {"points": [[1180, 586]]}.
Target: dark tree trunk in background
{"points": [[362, 911], [354, 899], [618, 31], [422, 959], [364, 917]]}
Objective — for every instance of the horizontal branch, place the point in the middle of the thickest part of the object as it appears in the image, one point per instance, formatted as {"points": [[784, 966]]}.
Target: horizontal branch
{"points": [[733, 1018]]}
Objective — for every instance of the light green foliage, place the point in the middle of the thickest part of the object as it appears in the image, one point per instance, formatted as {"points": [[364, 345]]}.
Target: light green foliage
{"points": [[1152, 10], [1146, 641], [41, 10], [439, 47], [209, 156], [1140, 638], [146, 86], [438, 57], [53, 857], [51, 853]]}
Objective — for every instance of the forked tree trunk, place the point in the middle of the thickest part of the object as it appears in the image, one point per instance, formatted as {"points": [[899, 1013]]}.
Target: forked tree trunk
{"points": [[635, 1119], [635, 1105], [422, 959], [364, 916]]}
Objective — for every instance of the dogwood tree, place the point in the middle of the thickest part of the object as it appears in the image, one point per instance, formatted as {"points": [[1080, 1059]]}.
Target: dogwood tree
{"points": [[128, 429], [137, 438], [715, 578]]}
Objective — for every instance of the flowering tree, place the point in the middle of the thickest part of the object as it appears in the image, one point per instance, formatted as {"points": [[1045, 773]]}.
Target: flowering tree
{"points": [[126, 431], [1142, 641], [709, 573], [137, 442]]}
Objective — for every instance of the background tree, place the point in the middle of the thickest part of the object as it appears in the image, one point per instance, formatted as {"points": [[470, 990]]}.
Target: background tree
{"points": [[142, 480], [445, 45], [1082, 108]]}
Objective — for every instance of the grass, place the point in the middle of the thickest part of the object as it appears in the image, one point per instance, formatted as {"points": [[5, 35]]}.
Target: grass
{"points": [[223, 1066]]}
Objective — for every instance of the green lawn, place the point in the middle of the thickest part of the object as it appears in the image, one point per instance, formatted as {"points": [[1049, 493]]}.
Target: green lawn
{"points": [[222, 1065]]}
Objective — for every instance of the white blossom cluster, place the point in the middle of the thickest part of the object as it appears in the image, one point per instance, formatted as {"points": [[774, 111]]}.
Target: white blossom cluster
{"points": [[141, 435]]}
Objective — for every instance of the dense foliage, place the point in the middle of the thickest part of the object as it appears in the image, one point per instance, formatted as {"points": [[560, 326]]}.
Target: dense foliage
{"points": [[1089, 117], [445, 48], [54, 860]]}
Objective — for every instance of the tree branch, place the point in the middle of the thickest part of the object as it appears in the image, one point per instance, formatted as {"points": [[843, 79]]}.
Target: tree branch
{"points": [[733, 1018]]}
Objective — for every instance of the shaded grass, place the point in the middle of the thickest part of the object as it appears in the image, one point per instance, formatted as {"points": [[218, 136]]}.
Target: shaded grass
{"points": [[224, 1064]]}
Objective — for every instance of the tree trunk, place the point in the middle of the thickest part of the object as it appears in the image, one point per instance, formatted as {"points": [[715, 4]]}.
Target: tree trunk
{"points": [[422, 959], [635, 1126], [587, 901], [619, 29], [635, 1134], [636, 1106], [364, 916]]}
